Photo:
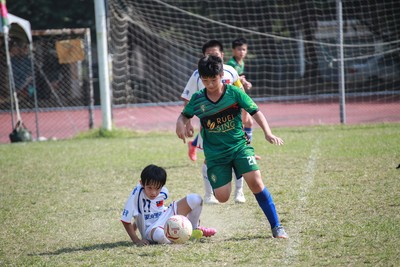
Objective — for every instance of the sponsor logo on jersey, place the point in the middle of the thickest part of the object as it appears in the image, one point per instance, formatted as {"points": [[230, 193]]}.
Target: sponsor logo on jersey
{"points": [[222, 121], [152, 215]]}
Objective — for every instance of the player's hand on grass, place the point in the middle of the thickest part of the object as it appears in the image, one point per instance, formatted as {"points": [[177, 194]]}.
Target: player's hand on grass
{"points": [[141, 242], [275, 140]]}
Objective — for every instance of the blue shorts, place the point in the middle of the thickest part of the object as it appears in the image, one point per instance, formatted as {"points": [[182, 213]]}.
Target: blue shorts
{"points": [[219, 171]]}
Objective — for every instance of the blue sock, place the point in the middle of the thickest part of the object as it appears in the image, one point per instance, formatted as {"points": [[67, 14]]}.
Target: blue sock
{"points": [[267, 205], [194, 142], [249, 132]]}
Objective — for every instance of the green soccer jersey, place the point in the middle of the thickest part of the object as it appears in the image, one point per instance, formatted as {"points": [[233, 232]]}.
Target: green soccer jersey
{"points": [[239, 68], [221, 121]]}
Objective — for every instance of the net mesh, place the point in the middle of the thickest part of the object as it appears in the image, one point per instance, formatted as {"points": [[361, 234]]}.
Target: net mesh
{"points": [[292, 55]]}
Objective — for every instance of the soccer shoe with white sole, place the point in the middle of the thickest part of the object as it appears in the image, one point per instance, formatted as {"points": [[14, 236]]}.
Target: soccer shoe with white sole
{"points": [[192, 151], [210, 199], [239, 196], [279, 232], [207, 232]]}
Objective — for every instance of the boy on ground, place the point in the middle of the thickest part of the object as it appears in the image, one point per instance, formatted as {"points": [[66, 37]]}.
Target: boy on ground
{"points": [[230, 76], [218, 106], [146, 206], [239, 52]]}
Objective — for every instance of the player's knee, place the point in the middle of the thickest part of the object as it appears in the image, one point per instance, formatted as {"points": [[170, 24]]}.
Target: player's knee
{"points": [[222, 198], [194, 200], [159, 236]]}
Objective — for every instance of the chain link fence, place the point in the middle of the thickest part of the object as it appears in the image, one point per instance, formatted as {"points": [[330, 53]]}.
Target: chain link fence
{"points": [[53, 81]]}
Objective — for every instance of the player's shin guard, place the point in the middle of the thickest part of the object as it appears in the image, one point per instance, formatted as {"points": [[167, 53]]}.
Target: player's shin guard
{"points": [[267, 205], [195, 203]]}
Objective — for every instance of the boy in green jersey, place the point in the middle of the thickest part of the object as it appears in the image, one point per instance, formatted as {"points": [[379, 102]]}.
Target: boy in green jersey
{"points": [[239, 52], [219, 108]]}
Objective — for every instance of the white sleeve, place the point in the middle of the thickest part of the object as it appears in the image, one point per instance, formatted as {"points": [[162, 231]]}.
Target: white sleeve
{"points": [[231, 70], [131, 206], [191, 87]]}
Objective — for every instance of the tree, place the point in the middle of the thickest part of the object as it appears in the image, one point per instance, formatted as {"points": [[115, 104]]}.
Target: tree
{"points": [[44, 14]]}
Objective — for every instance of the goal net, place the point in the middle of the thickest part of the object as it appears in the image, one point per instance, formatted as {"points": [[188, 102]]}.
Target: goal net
{"points": [[293, 48]]}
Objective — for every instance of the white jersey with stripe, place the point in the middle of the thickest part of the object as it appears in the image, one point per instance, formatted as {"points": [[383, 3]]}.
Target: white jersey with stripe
{"points": [[143, 210], [195, 84]]}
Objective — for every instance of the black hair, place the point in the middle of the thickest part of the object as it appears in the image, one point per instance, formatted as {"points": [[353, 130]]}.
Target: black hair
{"points": [[153, 175], [212, 43], [210, 66], [239, 42]]}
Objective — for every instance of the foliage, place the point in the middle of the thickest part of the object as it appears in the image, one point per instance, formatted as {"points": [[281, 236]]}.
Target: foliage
{"points": [[44, 14]]}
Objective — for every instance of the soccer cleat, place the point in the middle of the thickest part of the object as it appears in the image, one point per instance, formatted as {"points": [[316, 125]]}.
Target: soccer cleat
{"points": [[192, 151], [239, 196], [279, 232], [210, 199], [207, 232]]}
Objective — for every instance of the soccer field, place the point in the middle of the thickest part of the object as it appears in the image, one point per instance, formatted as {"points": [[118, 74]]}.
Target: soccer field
{"points": [[336, 189]]}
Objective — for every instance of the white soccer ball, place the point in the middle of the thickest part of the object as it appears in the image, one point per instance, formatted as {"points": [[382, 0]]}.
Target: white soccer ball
{"points": [[178, 229]]}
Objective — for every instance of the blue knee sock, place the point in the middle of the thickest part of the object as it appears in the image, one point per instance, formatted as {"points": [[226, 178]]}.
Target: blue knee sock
{"points": [[194, 142], [267, 205], [249, 132]]}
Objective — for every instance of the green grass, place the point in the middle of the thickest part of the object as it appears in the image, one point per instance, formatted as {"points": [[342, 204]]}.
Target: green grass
{"points": [[336, 190]]}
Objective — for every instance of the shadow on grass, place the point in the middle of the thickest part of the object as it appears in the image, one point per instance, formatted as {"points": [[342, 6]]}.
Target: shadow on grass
{"points": [[86, 248], [248, 238], [129, 244]]}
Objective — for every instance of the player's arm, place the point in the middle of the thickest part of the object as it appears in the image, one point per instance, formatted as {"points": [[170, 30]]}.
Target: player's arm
{"points": [[181, 127], [263, 123], [246, 84], [131, 228], [190, 88], [189, 126]]}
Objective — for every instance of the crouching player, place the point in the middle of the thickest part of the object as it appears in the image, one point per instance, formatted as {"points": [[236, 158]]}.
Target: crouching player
{"points": [[219, 106], [146, 206]]}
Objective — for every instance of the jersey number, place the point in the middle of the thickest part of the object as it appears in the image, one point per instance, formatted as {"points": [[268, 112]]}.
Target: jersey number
{"points": [[146, 204], [251, 160]]}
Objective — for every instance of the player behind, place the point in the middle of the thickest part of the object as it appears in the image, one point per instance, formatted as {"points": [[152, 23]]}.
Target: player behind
{"points": [[218, 106], [146, 206], [230, 76], [239, 52]]}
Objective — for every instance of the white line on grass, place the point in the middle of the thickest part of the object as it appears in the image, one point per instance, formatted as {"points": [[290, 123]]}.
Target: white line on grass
{"points": [[299, 221]]}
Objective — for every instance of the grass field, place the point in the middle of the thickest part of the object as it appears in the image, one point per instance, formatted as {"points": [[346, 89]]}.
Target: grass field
{"points": [[336, 189]]}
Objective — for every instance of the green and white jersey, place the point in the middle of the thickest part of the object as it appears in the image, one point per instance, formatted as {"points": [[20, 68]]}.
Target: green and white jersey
{"points": [[233, 63], [221, 121]]}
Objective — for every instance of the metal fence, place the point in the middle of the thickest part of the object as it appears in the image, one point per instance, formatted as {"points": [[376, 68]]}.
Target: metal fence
{"points": [[54, 84]]}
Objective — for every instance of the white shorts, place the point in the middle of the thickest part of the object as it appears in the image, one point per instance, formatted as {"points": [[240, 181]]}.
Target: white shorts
{"points": [[169, 212]]}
